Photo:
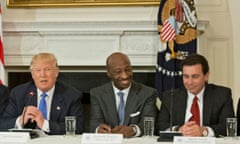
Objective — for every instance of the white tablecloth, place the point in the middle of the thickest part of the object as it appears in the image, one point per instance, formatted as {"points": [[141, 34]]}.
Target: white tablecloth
{"points": [[142, 140]]}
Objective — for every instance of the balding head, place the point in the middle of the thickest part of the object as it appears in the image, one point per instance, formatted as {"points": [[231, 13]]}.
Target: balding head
{"points": [[117, 56], [119, 69]]}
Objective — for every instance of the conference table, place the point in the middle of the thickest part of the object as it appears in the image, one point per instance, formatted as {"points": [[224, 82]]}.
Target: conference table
{"points": [[138, 140]]}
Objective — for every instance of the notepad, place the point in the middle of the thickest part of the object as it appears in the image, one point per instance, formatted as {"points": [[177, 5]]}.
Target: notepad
{"points": [[14, 137], [194, 140], [94, 138]]}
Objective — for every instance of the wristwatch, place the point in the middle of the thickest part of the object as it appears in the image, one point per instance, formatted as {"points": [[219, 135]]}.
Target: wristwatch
{"points": [[134, 129], [204, 131]]}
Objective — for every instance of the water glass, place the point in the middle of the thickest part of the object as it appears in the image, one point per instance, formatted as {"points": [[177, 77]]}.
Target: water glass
{"points": [[70, 125], [148, 126], [231, 126]]}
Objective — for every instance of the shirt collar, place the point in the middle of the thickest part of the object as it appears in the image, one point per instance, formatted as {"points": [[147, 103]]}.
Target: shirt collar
{"points": [[49, 93], [125, 91], [199, 95]]}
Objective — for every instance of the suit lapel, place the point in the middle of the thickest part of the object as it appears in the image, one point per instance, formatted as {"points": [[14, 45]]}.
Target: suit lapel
{"points": [[31, 96], [57, 103], [207, 106], [179, 112], [131, 102], [111, 103]]}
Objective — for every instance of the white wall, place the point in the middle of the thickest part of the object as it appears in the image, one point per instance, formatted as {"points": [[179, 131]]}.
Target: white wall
{"points": [[101, 30], [235, 21]]}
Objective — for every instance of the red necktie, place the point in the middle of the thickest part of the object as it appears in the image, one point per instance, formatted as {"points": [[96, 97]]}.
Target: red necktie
{"points": [[195, 111]]}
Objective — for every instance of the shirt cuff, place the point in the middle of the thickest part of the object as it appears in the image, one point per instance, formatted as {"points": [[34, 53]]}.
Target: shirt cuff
{"points": [[210, 132], [173, 128], [45, 126], [96, 131], [17, 123], [138, 131]]}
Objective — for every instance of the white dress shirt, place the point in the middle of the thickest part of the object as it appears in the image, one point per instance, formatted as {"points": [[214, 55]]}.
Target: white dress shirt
{"points": [[117, 98], [200, 104]]}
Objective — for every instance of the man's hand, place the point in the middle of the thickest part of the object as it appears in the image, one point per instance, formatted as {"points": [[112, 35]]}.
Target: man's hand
{"points": [[24, 118], [32, 112], [191, 129], [103, 128], [127, 131]]}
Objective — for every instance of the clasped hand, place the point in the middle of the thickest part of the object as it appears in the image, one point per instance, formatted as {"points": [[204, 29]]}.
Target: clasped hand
{"points": [[191, 129], [127, 131], [32, 113]]}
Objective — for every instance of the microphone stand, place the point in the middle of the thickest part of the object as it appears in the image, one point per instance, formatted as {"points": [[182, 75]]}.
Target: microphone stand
{"points": [[169, 135], [171, 109], [30, 124]]}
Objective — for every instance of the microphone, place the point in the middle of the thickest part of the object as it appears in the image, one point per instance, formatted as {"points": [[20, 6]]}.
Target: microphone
{"points": [[169, 135], [30, 124]]}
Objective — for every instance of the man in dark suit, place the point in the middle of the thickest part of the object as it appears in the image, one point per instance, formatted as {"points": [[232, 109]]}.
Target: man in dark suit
{"points": [[4, 98], [139, 100], [214, 103], [238, 117], [26, 103]]}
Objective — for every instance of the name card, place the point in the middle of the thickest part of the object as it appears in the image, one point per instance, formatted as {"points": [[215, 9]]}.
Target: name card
{"points": [[194, 140], [90, 138], [14, 137]]}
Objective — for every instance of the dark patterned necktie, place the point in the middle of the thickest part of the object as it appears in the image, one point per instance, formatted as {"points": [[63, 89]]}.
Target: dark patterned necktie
{"points": [[43, 105], [121, 108], [195, 111]]}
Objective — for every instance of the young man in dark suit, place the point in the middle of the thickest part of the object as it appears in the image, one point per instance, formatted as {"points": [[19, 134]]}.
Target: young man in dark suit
{"points": [[138, 100], [238, 117], [214, 103], [4, 98], [44, 101]]}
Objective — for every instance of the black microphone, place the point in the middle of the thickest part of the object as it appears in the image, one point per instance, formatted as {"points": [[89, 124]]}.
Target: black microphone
{"points": [[30, 124], [169, 135]]}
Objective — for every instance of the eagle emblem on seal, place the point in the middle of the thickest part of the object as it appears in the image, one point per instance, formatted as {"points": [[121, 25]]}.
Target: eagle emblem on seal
{"points": [[177, 26]]}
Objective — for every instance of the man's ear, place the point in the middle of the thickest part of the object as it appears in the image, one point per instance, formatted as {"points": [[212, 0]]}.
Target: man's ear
{"points": [[57, 73], [108, 74], [206, 76]]}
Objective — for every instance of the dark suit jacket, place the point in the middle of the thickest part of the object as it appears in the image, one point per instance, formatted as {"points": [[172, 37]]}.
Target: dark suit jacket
{"points": [[4, 98], [217, 106], [66, 101], [141, 100], [238, 116]]}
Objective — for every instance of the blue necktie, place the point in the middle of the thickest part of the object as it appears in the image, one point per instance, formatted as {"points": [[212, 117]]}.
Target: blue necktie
{"points": [[43, 105], [121, 108]]}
